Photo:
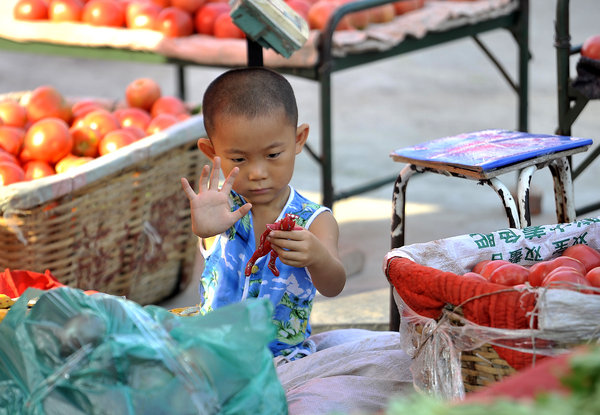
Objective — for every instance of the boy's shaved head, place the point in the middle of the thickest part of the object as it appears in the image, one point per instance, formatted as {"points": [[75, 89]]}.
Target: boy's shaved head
{"points": [[250, 93]]}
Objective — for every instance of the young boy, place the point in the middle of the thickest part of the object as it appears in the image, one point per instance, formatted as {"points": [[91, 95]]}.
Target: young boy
{"points": [[251, 119]]}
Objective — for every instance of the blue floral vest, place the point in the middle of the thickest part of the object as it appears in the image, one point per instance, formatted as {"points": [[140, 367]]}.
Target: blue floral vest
{"points": [[223, 281]]}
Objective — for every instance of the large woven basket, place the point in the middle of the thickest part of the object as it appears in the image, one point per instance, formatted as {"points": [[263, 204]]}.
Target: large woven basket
{"points": [[464, 334], [118, 224], [482, 366]]}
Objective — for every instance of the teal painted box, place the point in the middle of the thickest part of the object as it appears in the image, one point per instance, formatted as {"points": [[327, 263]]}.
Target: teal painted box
{"points": [[271, 23]]}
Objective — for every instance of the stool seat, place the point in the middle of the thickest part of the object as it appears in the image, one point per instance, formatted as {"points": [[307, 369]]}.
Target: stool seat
{"points": [[483, 156]]}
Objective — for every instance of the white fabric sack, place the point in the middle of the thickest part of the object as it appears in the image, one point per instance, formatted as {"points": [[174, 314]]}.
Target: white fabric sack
{"points": [[353, 371]]}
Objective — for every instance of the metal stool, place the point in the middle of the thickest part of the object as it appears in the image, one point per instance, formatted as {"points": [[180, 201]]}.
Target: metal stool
{"points": [[483, 156]]}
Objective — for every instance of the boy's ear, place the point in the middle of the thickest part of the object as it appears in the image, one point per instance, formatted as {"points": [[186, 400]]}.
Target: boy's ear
{"points": [[205, 145], [301, 137]]}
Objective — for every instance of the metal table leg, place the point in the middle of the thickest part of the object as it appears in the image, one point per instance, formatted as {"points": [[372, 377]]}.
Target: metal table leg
{"points": [[563, 190], [523, 188], [507, 200], [398, 227]]}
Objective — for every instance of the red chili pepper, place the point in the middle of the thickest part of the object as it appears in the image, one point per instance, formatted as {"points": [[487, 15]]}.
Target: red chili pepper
{"points": [[288, 223]]}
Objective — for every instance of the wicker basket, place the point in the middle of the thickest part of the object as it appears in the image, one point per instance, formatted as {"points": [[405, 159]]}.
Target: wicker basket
{"points": [[482, 366], [118, 224], [503, 329]]}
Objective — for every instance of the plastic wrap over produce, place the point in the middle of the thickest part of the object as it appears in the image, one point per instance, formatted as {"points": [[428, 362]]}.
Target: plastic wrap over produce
{"points": [[556, 319], [437, 345], [101, 354]]}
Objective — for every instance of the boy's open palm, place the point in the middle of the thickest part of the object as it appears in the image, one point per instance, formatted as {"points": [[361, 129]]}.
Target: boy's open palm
{"points": [[210, 209]]}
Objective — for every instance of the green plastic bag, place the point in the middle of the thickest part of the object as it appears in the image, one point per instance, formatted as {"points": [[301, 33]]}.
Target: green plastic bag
{"points": [[73, 353]]}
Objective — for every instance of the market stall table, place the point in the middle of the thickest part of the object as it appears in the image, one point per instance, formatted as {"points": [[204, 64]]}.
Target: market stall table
{"points": [[323, 54]]}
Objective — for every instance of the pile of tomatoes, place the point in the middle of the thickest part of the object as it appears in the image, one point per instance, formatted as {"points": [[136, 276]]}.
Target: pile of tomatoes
{"points": [[177, 18], [42, 134], [173, 18], [576, 268]]}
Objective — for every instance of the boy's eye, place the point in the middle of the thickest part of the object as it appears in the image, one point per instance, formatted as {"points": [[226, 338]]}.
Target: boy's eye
{"points": [[237, 160], [274, 155]]}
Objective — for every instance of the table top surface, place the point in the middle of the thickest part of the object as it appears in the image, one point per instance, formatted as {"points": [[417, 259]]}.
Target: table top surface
{"points": [[488, 153]]}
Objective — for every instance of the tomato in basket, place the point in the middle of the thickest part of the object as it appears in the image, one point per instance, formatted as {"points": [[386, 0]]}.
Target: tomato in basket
{"points": [[491, 266], [479, 266], [566, 278], [49, 139], [510, 274], [539, 271], [10, 173], [584, 253], [593, 276]]}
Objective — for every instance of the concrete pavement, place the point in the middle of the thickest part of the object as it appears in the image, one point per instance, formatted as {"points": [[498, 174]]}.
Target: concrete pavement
{"points": [[377, 108]]}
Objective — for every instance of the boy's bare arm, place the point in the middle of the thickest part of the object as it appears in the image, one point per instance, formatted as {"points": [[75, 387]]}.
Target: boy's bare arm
{"points": [[317, 250], [210, 210]]}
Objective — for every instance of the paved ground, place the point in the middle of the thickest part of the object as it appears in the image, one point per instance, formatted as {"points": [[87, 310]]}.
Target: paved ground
{"points": [[377, 108]]}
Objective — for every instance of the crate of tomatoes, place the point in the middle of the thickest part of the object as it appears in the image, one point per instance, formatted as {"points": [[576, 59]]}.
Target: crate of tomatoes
{"points": [[90, 189], [478, 307]]}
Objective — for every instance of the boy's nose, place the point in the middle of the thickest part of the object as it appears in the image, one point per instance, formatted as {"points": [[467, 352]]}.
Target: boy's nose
{"points": [[257, 171]]}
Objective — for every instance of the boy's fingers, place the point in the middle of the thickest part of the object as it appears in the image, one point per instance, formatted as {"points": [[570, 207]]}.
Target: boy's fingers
{"points": [[187, 188], [203, 181], [215, 174], [229, 180], [243, 211]]}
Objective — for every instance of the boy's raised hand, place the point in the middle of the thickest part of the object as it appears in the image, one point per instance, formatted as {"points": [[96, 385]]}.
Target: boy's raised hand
{"points": [[210, 209]]}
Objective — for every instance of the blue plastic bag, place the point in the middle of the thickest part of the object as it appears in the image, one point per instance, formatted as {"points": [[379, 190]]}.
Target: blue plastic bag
{"points": [[73, 353]]}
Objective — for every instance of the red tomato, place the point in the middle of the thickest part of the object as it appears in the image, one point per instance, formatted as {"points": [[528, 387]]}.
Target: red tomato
{"points": [[161, 122], [46, 101], [204, 20], [142, 93], [36, 169], [81, 108], [593, 276], [161, 3], [6, 156], [402, 7], [65, 10], [11, 139], [319, 14], [565, 261], [382, 14], [12, 113], [479, 266], [137, 132], [584, 253], [591, 47], [101, 121], [115, 140], [566, 278], [225, 28], [70, 161], [85, 141], [488, 268], [475, 276], [48, 140], [133, 117], [30, 10], [358, 20], [103, 13], [140, 15], [509, 274], [539, 271], [190, 6], [168, 105], [10, 173], [174, 22]]}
